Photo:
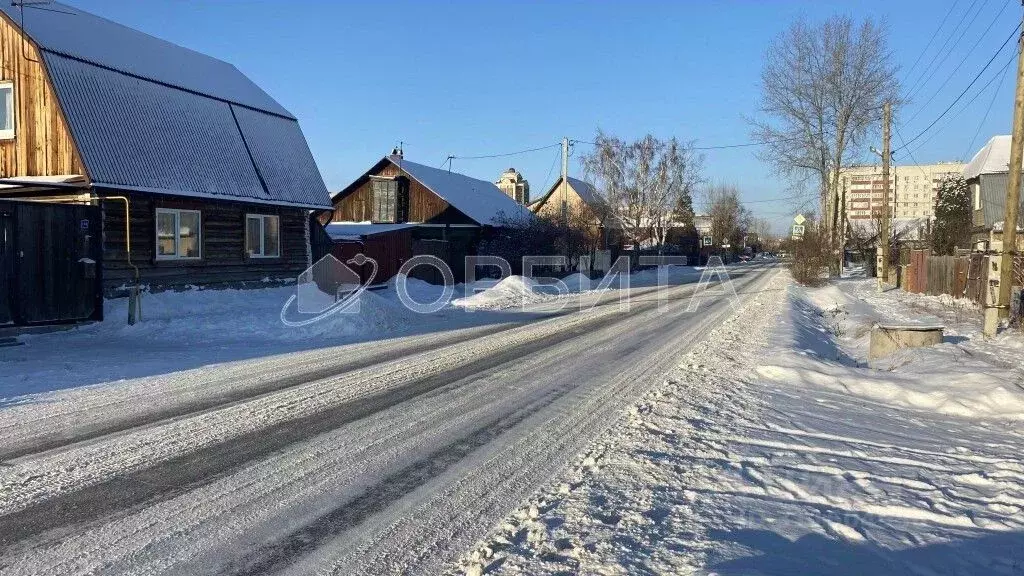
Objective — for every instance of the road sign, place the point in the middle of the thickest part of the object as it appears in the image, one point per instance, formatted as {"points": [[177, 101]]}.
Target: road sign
{"points": [[707, 240]]}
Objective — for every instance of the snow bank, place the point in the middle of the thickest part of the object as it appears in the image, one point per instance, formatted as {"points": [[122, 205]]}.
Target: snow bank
{"points": [[828, 330], [219, 315], [509, 292], [577, 282]]}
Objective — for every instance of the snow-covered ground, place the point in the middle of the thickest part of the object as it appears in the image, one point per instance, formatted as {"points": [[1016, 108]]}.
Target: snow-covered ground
{"points": [[387, 456], [776, 448], [196, 329]]}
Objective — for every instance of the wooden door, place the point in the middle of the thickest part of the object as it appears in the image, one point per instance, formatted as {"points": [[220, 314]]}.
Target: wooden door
{"points": [[57, 263]]}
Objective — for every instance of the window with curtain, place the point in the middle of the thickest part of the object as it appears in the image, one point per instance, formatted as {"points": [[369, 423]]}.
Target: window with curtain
{"points": [[178, 234], [262, 236]]}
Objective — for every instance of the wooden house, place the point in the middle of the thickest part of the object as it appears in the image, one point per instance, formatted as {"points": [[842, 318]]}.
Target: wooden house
{"points": [[441, 213], [580, 203], [215, 174]]}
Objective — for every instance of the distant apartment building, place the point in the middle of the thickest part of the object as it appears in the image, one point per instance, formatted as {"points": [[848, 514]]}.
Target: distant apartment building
{"points": [[514, 186], [912, 194]]}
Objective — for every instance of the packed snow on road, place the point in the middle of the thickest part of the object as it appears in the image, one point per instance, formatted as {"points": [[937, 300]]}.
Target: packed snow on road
{"points": [[574, 435], [776, 447]]}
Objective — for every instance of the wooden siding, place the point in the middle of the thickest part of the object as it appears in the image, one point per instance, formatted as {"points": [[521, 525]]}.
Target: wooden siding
{"points": [[424, 205], [223, 261], [42, 144], [390, 250]]}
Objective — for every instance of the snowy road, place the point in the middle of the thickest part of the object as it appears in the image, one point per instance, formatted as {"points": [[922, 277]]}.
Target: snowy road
{"points": [[381, 457]]}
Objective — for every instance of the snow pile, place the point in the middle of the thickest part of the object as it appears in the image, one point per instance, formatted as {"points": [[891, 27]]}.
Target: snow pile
{"points": [[507, 293], [254, 315], [960, 377], [577, 282]]}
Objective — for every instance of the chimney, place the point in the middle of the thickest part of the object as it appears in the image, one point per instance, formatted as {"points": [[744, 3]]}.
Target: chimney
{"points": [[397, 151]]}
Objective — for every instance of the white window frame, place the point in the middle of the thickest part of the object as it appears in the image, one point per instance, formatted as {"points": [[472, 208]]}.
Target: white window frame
{"points": [[177, 234], [263, 249], [9, 134]]}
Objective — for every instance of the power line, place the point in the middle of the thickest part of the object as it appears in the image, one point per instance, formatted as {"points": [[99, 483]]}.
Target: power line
{"points": [[932, 39], [999, 74], [913, 87], [958, 66], [720, 147], [1002, 77], [961, 95], [503, 154], [957, 35]]}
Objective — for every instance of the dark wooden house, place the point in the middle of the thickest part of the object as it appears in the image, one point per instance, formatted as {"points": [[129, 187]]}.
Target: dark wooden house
{"points": [[215, 174], [444, 213]]}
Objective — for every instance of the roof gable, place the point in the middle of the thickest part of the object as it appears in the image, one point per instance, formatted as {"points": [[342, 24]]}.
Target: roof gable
{"points": [[480, 200], [68, 31], [155, 130], [584, 190]]}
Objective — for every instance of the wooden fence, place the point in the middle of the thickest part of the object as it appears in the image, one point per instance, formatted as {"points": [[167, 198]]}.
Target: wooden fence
{"points": [[958, 276]]}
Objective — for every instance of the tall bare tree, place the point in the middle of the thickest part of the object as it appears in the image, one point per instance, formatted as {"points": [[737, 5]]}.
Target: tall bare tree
{"points": [[822, 90], [644, 182], [730, 220]]}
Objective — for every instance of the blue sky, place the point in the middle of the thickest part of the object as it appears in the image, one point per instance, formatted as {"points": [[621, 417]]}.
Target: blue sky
{"points": [[474, 78]]}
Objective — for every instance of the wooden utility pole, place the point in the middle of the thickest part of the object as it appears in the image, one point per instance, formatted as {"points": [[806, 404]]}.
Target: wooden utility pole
{"points": [[565, 181], [883, 233], [1000, 309]]}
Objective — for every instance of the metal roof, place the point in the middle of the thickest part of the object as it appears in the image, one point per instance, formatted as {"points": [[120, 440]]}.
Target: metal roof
{"points": [[993, 158], [481, 200], [66, 30], [137, 134]]}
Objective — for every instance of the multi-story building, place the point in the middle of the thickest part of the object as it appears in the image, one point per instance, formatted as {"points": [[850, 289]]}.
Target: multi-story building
{"points": [[911, 195], [514, 186]]}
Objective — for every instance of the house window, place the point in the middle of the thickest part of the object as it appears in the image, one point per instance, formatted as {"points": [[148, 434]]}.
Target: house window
{"points": [[178, 234], [6, 110], [262, 236], [385, 200]]}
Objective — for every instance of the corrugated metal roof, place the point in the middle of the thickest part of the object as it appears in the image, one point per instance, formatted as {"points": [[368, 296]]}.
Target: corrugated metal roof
{"points": [[281, 155], [145, 136], [481, 200], [65, 30]]}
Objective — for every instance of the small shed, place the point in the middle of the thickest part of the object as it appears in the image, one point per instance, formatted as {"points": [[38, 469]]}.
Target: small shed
{"points": [[389, 245]]}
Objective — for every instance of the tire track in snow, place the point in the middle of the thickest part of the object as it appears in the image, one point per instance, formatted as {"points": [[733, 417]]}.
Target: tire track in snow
{"points": [[273, 383], [194, 469]]}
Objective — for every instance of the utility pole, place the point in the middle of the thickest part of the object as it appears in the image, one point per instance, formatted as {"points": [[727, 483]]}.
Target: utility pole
{"points": [[565, 181], [883, 233], [841, 191], [1000, 309]]}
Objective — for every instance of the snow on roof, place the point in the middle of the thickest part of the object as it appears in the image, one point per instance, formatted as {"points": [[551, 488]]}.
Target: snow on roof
{"points": [[585, 190], [357, 230], [993, 158], [65, 30], [479, 199]]}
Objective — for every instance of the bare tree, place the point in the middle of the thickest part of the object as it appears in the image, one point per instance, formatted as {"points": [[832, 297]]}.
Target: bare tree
{"points": [[729, 219], [644, 182], [822, 91]]}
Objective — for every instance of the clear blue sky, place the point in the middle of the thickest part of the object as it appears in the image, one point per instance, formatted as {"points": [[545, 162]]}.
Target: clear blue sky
{"points": [[473, 78]]}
